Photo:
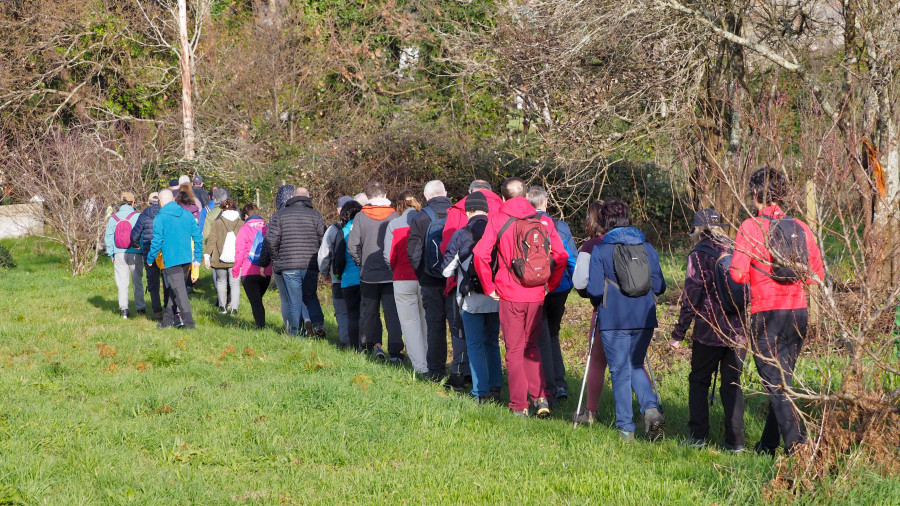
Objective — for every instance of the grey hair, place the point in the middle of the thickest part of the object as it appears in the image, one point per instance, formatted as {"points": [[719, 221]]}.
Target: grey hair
{"points": [[536, 195], [221, 195], [480, 184], [434, 188]]}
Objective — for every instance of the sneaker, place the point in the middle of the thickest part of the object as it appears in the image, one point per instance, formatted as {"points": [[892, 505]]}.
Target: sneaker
{"points": [[396, 360], [626, 435], [653, 424], [695, 443], [234, 312], [763, 450], [222, 310], [308, 329], [124, 314], [379, 353], [585, 417], [319, 332], [523, 413], [542, 407], [734, 448], [456, 382], [562, 394]]}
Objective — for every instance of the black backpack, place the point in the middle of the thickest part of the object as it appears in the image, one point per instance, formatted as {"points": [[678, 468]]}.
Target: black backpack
{"points": [[339, 253], [786, 242], [434, 236], [732, 295], [632, 269], [469, 281]]}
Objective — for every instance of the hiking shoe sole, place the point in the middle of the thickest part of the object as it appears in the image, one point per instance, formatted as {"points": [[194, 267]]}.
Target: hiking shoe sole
{"points": [[542, 407], [653, 424]]}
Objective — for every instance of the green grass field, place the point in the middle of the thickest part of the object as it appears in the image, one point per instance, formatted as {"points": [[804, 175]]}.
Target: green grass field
{"points": [[94, 409]]}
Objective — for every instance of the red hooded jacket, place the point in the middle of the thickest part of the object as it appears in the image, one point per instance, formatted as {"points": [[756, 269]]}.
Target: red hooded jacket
{"points": [[751, 256], [505, 283], [457, 219]]}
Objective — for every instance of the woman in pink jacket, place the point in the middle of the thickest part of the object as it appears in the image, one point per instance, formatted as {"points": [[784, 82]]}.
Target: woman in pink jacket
{"points": [[246, 257]]}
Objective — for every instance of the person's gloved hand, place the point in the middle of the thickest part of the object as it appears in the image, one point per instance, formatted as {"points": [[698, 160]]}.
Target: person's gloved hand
{"points": [[195, 272]]}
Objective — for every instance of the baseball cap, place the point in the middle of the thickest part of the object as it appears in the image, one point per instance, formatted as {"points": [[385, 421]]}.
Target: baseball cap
{"points": [[173, 183], [197, 180], [127, 197], [154, 198], [707, 218], [341, 202]]}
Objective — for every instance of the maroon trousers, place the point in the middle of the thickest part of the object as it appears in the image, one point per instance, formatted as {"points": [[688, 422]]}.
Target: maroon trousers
{"points": [[521, 325]]}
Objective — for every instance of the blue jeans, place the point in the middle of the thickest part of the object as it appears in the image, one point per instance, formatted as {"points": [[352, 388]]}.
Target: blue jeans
{"points": [[625, 353], [482, 332], [297, 289]]}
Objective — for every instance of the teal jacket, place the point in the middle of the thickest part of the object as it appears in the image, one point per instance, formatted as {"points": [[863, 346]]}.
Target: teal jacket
{"points": [[109, 237], [173, 229]]}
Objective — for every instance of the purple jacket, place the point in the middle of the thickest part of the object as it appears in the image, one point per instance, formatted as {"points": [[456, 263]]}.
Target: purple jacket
{"points": [[712, 326]]}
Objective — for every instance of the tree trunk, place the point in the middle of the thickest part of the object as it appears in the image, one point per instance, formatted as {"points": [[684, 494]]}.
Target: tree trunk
{"points": [[187, 105]]}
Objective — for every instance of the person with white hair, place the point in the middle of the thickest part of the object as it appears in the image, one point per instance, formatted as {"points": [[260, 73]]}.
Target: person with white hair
{"points": [[425, 254]]}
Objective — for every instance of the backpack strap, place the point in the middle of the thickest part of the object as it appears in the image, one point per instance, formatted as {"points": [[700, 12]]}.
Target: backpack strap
{"points": [[116, 218], [509, 222], [708, 250], [430, 212], [130, 215]]}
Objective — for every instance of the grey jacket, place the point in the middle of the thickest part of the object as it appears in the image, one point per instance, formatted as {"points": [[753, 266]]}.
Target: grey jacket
{"points": [[326, 250], [365, 244]]}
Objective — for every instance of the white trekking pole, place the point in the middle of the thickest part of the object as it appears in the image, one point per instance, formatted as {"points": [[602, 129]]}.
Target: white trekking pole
{"points": [[586, 369]]}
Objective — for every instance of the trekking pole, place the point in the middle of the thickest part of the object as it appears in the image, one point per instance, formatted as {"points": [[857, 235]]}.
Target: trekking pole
{"points": [[653, 382], [586, 368], [712, 393]]}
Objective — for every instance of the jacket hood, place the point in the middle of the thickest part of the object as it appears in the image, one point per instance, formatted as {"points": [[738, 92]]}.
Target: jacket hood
{"points": [[624, 235], [125, 208], [302, 201], [773, 211], [231, 215], [152, 210], [408, 216], [517, 207], [172, 209], [377, 212], [284, 194], [255, 221]]}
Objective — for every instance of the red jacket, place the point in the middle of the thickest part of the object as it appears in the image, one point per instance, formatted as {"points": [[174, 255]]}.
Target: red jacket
{"points": [[751, 254], [457, 219], [505, 284], [396, 240]]}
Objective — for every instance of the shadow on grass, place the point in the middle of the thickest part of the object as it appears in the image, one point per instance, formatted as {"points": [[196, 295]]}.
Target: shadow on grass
{"points": [[104, 304]]}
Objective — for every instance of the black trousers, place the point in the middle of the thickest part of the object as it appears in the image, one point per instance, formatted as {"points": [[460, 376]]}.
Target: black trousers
{"points": [[377, 296], [153, 278], [705, 360], [548, 342], [255, 286], [777, 337], [354, 302], [177, 297]]}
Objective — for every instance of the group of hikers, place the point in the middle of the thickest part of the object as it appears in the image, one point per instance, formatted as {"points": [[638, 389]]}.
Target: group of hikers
{"points": [[488, 266]]}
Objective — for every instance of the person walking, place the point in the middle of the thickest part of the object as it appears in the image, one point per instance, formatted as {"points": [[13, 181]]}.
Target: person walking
{"points": [[624, 280], [174, 230], [295, 234], [220, 252], [348, 271], [248, 246], [331, 241], [212, 210], [554, 302], [127, 260], [521, 306], [593, 227], [199, 191], [479, 311], [778, 310], [718, 339], [424, 249], [407, 292], [141, 235], [366, 247]]}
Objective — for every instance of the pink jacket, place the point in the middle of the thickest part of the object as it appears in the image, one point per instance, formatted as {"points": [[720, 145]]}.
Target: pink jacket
{"points": [[242, 246]]}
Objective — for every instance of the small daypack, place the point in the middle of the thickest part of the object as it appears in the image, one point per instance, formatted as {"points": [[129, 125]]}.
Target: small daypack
{"points": [[632, 269], [469, 282], [786, 242], [339, 254], [256, 248], [122, 234], [532, 260], [229, 247], [434, 235], [733, 296]]}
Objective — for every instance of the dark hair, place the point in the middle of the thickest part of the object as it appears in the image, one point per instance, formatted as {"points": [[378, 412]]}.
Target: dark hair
{"points": [[185, 195], [249, 210], [375, 190], [229, 205], [405, 200], [513, 187], [768, 185], [593, 223], [615, 214], [349, 211]]}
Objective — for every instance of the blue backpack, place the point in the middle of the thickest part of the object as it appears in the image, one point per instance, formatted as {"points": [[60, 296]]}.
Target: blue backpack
{"points": [[256, 249], [434, 236]]}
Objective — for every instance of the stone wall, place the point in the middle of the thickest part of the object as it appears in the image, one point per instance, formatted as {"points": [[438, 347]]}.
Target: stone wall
{"points": [[21, 220]]}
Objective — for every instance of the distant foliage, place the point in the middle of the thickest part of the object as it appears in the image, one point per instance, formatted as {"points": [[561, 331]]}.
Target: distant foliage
{"points": [[6, 259]]}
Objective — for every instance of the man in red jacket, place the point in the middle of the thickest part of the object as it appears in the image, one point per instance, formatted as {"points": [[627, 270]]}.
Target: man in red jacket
{"points": [[521, 308], [778, 311]]}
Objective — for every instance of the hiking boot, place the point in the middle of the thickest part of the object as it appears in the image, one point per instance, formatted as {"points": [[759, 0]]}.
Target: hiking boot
{"points": [[379, 353], [626, 436], [222, 310], [523, 413], [542, 407], [434, 376], [308, 329], [734, 448], [562, 394], [319, 332], [396, 360], [124, 314], [695, 443], [468, 379], [585, 417], [456, 382], [158, 316], [653, 424], [763, 450], [142, 312]]}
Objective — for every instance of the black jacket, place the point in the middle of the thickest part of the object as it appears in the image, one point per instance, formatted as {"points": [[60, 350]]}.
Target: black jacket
{"points": [[142, 232], [416, 246], [202, 195], [295, 233]]}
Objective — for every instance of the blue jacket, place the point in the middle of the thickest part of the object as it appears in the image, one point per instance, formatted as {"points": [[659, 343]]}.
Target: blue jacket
{"points": [[203, 212], [109, 238], [351, 270], [615, 310], [173, 230], [565, 234], [142, 233]]}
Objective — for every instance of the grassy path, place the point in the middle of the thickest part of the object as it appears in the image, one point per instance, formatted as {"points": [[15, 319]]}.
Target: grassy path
{"points": [[94, 409]]}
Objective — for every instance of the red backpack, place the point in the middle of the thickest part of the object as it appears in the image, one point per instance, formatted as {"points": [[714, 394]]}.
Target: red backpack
{"points": [[532, 260], [122, 237]]}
